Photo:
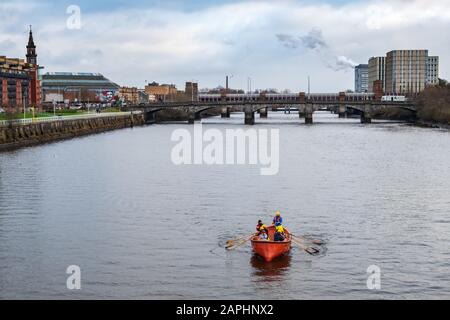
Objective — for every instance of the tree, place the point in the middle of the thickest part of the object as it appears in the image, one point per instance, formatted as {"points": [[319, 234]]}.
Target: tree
{"points": [[443, 83]]}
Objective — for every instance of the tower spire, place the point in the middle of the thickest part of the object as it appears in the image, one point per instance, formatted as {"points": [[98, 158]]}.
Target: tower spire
{"points": [[31, 49]]}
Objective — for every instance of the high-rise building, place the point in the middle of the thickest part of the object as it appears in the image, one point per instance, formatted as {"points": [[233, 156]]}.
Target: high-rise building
{"points": [[406, 71], [377, 69], [362, 78], [432, 77]]}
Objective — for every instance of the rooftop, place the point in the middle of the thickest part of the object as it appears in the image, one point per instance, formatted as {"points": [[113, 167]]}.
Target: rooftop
{"points": [[77, 79]]}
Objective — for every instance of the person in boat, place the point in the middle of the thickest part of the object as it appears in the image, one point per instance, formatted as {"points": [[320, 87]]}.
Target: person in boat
{"points": [[258, 227], [264, 233], [279, 234], [278, 220]]}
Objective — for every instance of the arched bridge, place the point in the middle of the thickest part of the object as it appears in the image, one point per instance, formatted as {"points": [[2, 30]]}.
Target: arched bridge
{"points": [[306, 104]]}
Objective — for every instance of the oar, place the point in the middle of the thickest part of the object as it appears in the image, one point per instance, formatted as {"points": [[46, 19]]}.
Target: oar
{"points": [[311, 250], [232, 246], [230, 243], [302, 238]]}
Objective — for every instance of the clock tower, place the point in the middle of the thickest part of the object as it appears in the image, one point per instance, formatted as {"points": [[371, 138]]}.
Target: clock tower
{"points": [[31, 50]]}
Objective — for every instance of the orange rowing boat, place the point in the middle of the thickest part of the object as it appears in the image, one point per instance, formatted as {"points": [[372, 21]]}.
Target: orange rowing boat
{"points": [[271, 250]]}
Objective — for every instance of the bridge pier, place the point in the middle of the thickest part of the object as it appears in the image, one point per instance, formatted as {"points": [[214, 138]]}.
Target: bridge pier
{"points": [[301, 111], [366, 117], [149, 117], [263, 113], [249, 116], [309, 110], [225, 112], [342, 111], [193, 116]]}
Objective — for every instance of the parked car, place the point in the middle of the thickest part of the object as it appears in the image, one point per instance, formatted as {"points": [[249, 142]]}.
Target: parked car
{"points": [[2, 110]]}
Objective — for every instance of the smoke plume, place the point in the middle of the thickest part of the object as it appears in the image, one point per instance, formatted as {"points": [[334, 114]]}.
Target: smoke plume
{"points": [[315, 41]]}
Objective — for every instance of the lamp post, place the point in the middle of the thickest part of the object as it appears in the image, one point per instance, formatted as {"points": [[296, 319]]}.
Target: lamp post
{"points": [[24, 107], [227, 83]]}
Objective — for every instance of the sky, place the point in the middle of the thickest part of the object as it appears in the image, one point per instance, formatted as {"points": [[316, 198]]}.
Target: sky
{"points": [[277, 44]]}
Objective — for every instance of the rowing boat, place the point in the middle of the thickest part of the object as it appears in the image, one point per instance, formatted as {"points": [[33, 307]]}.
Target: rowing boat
{"points": [[271, 250]]}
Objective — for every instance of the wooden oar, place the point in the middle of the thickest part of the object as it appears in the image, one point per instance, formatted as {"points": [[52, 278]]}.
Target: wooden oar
{"points": [[231, 243], [232, 246], [302, 238], [310, 250]]}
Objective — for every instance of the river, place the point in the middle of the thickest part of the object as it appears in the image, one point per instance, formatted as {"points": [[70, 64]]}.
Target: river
{"points": [[140, 227]]}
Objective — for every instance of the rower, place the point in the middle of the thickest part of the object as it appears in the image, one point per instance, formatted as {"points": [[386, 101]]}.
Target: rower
{"points": [[264, 234], [278, 220], [279, 234], [258, 227]]}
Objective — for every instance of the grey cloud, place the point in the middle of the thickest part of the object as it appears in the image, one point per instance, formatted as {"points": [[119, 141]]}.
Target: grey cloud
{"points": [[228, 42], [313, 40]]}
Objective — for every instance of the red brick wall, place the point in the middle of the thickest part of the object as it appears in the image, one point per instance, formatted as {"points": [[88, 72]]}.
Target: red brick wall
{"points": [[4, 93], [378, 89], [19, 94]]}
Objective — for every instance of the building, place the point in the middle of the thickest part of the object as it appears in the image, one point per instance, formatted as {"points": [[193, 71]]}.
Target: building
{"points": [[19, 80], [72, 87], [432, 71], [362, 78], [377, 69], [129, 95], [161, 93], [35, 84], [406, 71], [191, 91], [143, 97]]}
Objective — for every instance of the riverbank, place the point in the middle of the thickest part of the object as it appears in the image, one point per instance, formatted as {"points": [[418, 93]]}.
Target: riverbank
{"points": [[433, 106], [17, 136]]}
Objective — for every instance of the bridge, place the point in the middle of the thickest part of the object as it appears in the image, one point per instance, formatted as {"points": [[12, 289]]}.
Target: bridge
{"points": [[306, 104]]}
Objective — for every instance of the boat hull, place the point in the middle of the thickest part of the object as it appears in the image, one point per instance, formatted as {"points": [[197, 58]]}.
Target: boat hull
{"points": [[270, 250]]}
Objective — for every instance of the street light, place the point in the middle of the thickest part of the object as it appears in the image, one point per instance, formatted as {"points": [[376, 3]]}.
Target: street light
{"points": [[227, 82], [24, 107]]}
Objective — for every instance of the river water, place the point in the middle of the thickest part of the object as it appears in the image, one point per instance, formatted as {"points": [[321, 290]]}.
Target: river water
{"points": [[140, 227]]}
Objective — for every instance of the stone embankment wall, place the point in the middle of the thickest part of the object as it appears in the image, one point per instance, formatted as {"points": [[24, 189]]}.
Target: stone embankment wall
{"points": [[18, 136]]}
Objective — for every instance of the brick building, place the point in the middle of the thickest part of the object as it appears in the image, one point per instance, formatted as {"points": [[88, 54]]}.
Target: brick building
{"points": [[161, 93], [130, 95], [20, 86]]}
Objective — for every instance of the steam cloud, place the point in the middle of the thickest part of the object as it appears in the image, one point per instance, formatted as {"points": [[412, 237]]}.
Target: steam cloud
{"points": [[314, 41]]}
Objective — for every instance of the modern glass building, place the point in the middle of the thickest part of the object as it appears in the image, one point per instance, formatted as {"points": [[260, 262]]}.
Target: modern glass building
{"points": [[362, 78]]}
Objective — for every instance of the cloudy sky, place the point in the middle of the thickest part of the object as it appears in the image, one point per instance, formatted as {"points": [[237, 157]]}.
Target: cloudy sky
{"points": [[276, 43]]}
